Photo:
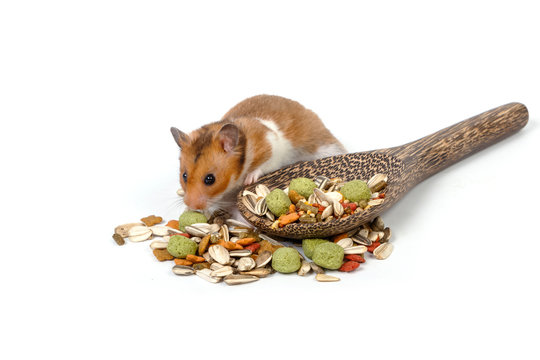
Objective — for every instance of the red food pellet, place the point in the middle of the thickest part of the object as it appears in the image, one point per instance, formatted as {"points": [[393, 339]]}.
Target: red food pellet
{"points": [[253, 247], [349, 266], [352, 206], [183, 234], [373, 246], [355, 257]]}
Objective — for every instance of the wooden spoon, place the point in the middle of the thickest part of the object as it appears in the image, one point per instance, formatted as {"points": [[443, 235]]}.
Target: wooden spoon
{"points": [[405, 165]]}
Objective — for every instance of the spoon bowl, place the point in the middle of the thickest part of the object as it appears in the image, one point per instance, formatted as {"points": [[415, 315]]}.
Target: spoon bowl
{"points": [[405, 166]]}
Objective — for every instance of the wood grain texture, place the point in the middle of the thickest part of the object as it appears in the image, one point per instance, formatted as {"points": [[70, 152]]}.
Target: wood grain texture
{"points": [[405, 165]]}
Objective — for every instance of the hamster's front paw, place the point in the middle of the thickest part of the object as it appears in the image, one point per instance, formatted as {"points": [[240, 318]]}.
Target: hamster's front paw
{"points": [[252, 177]]}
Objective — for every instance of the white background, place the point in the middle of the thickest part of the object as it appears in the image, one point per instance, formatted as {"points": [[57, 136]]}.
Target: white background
{"points": [[89, 89]]}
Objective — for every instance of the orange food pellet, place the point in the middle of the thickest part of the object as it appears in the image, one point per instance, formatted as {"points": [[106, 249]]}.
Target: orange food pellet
{"points": [[173, 224], [182, 262], [246, 241], [338, 237], [195, 258]]}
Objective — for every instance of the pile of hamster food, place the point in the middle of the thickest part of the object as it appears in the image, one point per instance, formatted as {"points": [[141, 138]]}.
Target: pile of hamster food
{"points": [[221, 249], [311, 201]]}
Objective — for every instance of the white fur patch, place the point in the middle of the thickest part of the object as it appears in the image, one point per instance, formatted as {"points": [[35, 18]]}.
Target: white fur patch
{"points": [[328, 150], [283, 152]]}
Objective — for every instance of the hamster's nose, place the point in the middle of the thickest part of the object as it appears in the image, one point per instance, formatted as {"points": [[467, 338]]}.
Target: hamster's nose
{"points": [[195, 202]]}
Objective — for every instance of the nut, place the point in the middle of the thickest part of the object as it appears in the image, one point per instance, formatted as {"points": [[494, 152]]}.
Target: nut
{"points": [[219, 254], [383, 251], [326, 278]]}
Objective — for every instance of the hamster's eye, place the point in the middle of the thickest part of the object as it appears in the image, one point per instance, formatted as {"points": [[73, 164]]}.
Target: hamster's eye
{"points": [[209, 179], [184, 176]]}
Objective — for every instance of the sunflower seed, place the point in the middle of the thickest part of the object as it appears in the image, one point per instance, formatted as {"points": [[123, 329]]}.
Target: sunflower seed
{"points": [[352, 232], [305, 268], [139, 230], [215, 266], [159, 230], [360, 249], [193, 231], [221, 272], [249, 193], [245, 264], [224, 232], [387, 234], [180, 192], [338, 208], [364, 233], [326, 278], [238, 230], [377, 182], [196, 239], [123, 230], [262, 190], [345, 243], [316, 268], [260, 272], [328, 211], [263, 258], [383, 251], [208, 258], [321, 181], [235, 279], [373, 236], [320, 195], [261, 208], [234, 222], [139, 233], [156, 244], [377, 224], [312, 199], [269, 215], [205, 274], [359, 239], [240, 253], [249, 203], [219, 254], [183, 270], [374, 202]]}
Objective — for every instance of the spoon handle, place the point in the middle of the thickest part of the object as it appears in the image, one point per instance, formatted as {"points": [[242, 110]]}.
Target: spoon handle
{"points": [[433, 153]]}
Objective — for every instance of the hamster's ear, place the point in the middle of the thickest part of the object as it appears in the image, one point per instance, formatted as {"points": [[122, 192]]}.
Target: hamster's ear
{"points": [[228, 136], [180, 138]]}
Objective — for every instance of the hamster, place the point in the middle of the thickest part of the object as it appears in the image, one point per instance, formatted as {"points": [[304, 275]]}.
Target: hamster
{"points": [[257, 136]]}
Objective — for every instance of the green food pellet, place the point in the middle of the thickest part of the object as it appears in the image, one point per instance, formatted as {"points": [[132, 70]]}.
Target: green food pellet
{"points": [[286, 260], [190, 217], [356, 190], [180, 246], [303, 186], [328, 255], [278, 202], [308, 245]]}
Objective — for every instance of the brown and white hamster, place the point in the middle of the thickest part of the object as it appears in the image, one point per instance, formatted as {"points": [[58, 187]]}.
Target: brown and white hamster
{"points": [[259, 135]]}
